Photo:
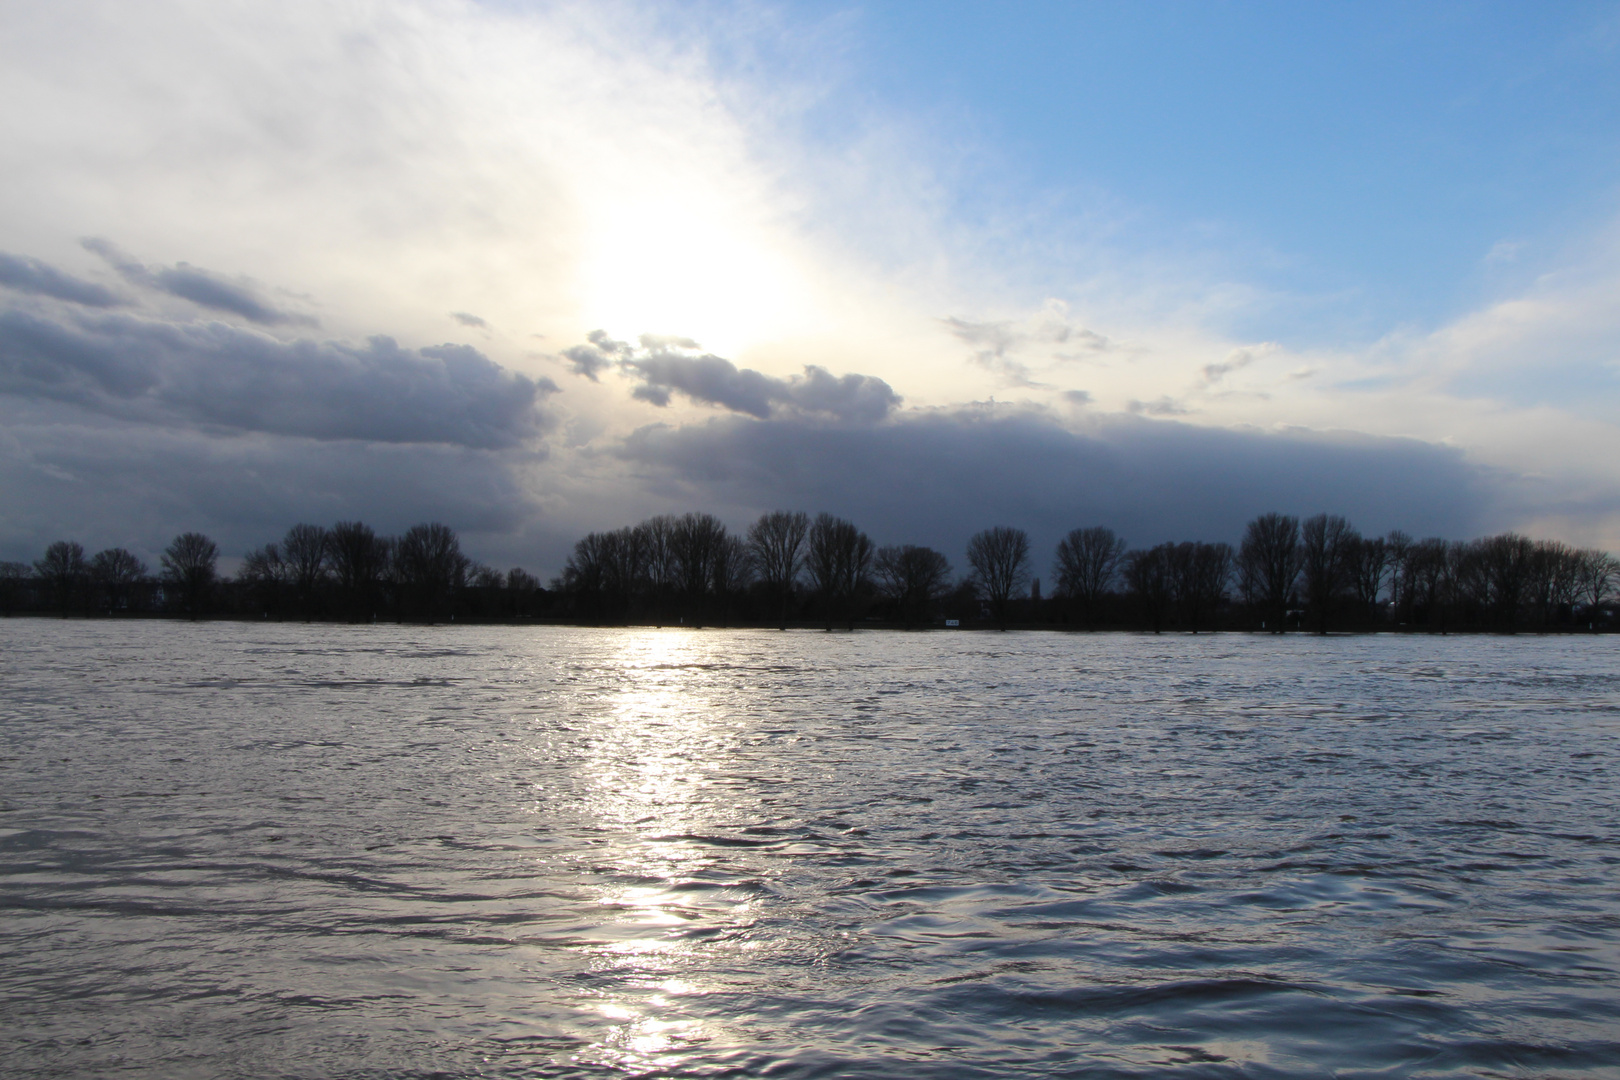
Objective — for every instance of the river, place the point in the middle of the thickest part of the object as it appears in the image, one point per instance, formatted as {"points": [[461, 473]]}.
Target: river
{"points": [[284, 850]]}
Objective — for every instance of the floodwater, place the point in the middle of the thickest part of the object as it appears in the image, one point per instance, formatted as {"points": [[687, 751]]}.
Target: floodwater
{"points": [[239, 850]]}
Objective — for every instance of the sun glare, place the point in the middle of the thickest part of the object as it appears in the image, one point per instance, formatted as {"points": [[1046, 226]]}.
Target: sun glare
{"points": [[669, 265]]}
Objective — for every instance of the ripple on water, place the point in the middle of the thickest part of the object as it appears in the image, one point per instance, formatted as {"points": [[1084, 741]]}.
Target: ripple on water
{"points": [[314, 851]]}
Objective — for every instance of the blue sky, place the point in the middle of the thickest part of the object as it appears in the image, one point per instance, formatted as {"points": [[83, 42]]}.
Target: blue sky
{"points": [[1376, 164], [538, 268]]}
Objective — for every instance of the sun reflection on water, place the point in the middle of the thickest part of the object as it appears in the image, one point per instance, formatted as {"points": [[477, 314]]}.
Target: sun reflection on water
{"points": [[668, 898]]}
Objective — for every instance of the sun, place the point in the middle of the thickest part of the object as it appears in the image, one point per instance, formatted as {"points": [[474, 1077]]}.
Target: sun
{"points": [[678, 262]]}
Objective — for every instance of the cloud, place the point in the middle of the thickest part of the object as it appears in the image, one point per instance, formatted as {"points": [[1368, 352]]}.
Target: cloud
{"points": [[467, 319], [201, 287], [1235, 360], [1161, 406], [211, 373], [598, 354], [936, 477], [28, 275], [106, 482], [991, 343], [665, 366]]}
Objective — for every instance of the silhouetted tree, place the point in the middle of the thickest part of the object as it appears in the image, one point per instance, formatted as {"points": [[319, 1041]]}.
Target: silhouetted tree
{"points": [[1148, 576], [913, 577], [605, 570], [1268, 567], [524, 594], [1087, 563], [1425, 573], [838, 557], [1502, 566], [1370, 560], [359, 559], [1198, 576], [429, 566], [13, 579], [306, 551], [733, 570], [1327, 547], [1000, 560], [115, 572], [1596, 578], [188, 567], [62, 571], [777, 543], [697, 544], [1553, 581], [266, 575], [1396, 545]]}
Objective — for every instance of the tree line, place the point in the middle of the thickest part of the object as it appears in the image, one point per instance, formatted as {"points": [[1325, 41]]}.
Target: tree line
{"points": [[347, 572], [1319, 574], [789, 568]]}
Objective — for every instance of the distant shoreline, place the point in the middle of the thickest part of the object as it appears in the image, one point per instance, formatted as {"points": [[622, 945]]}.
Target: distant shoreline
{"points": [[975, 627]]}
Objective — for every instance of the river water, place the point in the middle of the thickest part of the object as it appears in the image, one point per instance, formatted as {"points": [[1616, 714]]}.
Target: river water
{"points": [[239, 850]]}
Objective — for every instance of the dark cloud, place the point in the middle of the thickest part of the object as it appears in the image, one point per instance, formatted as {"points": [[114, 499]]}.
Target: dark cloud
{"points": [[665, 366], [205, 288], [468, 319], [598, 354], [713, 380], [937, 477], [24, 274], [228, 376], [109, 482]]}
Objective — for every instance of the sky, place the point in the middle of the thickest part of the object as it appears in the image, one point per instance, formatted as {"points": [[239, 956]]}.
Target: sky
{"points": [[535, 269]]}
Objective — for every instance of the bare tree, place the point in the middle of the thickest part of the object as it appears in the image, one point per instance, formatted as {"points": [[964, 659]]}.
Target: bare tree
{"points": [[1000, 560], [838, 557], [188, 566], [63, 571], [696, 544], [1268, 567], [359, 559], [777, 543], [1198, 576], [13, 578], [733, 570], [1396, 545], [658, 563], [1087, 563], [307, 552], [1371, 559], [116, 571], [1552, 580], [1598, 572], [267, 574], [430, 566], [1327, 562], [1503, 567], [1149, 577], [913, 577], [1425, 576]]}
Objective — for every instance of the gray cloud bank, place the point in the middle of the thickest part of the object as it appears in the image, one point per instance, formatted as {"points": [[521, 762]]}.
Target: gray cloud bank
{"points": [[212, 373], [23, 274], [110, 482], [201, 287], [937, 477], [664, 367]]}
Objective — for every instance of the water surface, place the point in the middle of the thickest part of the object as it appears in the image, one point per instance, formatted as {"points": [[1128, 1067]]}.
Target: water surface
{"points": [[238, 850]]}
